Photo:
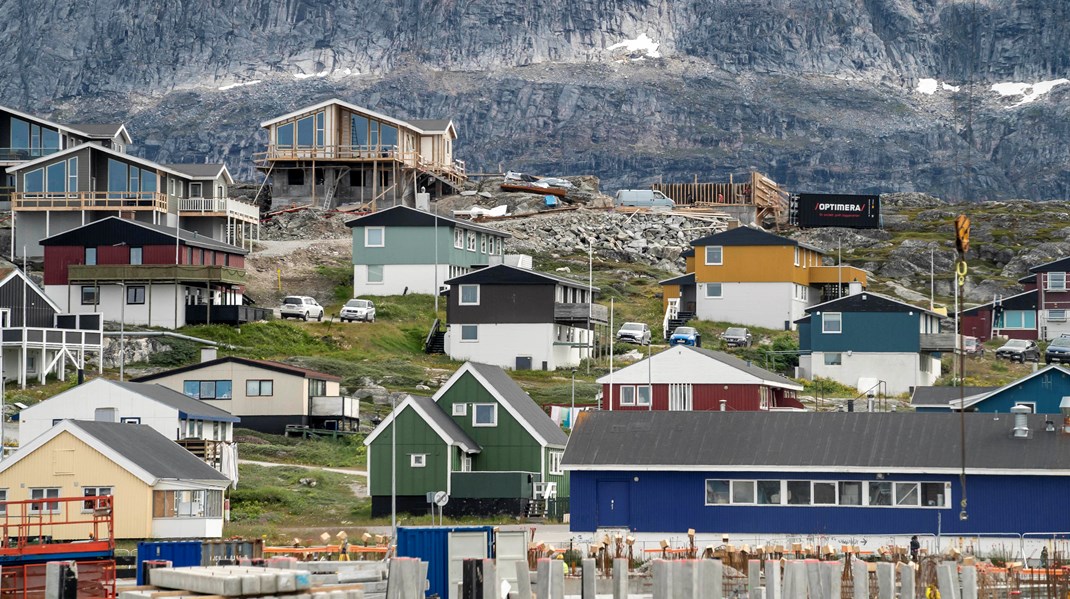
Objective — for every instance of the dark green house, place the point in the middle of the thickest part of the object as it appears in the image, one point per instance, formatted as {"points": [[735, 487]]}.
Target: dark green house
{"points": [[480, 438]]}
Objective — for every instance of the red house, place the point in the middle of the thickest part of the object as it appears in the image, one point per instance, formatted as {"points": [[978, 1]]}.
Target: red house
{"points": [[684, 378]]}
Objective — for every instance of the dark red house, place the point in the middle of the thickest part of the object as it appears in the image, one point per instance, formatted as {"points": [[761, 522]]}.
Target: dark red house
{"points": [[684, 378]]}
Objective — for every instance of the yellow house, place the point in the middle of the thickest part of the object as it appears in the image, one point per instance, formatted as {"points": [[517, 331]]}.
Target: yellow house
{"points": [[159, 489], [752, 277]]}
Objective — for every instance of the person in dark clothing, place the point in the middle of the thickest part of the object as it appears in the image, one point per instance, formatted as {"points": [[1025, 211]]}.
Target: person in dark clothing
{"points": [[915, 547]]}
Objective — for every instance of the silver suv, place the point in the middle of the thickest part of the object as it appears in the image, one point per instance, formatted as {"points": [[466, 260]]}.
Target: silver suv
{"points": [[357, 309], [300, 306]]}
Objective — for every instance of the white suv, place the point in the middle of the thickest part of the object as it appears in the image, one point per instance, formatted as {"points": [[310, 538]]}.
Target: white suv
{"points": [[358, 309], [300, 306]]}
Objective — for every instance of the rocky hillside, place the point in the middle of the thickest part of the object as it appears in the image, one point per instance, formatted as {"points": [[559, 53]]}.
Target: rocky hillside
{"points": [[846, 96]]}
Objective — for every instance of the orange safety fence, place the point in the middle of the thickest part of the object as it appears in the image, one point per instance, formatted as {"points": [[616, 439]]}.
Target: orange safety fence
{"points": [[96, 580], [321, 549]]}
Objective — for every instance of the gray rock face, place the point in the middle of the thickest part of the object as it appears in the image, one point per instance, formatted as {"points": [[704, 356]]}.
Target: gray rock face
{"points": [[822, 95]]}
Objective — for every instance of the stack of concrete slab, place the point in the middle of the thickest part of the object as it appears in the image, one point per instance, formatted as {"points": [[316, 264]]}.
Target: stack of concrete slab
{"points": [[241, 581]]}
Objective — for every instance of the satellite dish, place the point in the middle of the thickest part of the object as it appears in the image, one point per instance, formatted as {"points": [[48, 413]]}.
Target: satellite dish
{"points": [[441, 498]]}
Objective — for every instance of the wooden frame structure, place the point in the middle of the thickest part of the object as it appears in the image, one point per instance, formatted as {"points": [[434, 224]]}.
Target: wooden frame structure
{"points": [[769, 198]]}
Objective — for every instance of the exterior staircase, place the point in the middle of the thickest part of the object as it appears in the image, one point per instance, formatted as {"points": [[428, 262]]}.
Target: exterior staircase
{"points": [[681, 318], [435, 343]]}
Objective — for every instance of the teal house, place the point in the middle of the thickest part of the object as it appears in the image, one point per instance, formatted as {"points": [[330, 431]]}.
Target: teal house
{"points": [[404, 250], [481, 439], [1041, 391]]}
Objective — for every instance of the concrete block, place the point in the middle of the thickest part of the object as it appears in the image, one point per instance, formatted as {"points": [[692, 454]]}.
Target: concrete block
{"points": [[620, 578], [302, 580], [833, 572], [557, 581], [490, 579], [772, 579], [885, 580], [250, 584], [813, 578], [523, 580], [969, 582], [860, 574], [589, 574], [710, 579], [795, 580], [685, 583], [286, 582], [947, 580], [754, 577], [542, 578], [663, 579], [906, 581]]}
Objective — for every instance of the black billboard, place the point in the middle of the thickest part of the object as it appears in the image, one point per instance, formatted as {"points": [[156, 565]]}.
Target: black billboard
{"points": [[836, 210]]}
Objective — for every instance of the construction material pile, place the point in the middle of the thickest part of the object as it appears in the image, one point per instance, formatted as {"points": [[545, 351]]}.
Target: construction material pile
{"points": [[565, 192], [305, 223], [285, 577]]}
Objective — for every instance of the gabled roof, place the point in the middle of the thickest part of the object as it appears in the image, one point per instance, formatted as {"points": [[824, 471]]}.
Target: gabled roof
{"points": [[404, 216], [94, 146], [76, 129], [443, 424], [186, 405], [688, 253], [137, 448], [1026, 300], [432, 125], [111, 230], [867, 301], [688, 279], [517, 401], [898, 442], [203, 171], [104, 131], [698, 366], [265, 364], [354, 108], [6, 274], [926, 396], [504, 274], [748, 236], [1059, 265], [955, 404]]}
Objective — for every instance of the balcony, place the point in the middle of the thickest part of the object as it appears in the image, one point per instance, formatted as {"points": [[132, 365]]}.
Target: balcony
{"points": [[219, 207], [579, 314], [90, 200], [454, 170], [334, 406], [937, 342], [15, 155], [836, 274], [221, 314], [186, 273], [42, 338]]}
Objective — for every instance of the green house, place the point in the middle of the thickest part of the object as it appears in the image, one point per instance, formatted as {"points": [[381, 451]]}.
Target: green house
{"points": [[480, 438]]}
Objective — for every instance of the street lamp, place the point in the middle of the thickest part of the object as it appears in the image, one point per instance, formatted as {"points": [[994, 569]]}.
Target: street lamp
{"points": [[122, 331], [393, 468], [572, 412]]}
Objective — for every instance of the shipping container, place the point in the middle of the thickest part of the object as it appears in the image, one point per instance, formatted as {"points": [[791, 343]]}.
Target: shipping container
{"points": [[179, 553], [444, 548]]}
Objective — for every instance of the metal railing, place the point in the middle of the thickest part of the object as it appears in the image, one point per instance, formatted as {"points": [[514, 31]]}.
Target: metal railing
{"points": [[412, 158], [155, 272], [52, 337], [90, 200], [228, 206]]}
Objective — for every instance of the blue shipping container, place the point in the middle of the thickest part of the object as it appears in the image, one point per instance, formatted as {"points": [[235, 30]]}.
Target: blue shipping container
{"points": [[179, 553], [431, 544]]}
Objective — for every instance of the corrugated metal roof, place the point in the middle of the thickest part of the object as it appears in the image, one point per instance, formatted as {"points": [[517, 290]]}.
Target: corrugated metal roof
{"points": [[116, 229], [811, 441], [867, 301], [939, 396], [695, 365], [522, 403], [198, 171], [178, 401], [156, 454], [404, 216], [503, 274], [430, 125], [108, 130], [269, 364]]}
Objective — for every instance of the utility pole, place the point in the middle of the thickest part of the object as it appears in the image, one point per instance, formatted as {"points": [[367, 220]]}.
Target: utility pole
{"points": [[962, 244]]}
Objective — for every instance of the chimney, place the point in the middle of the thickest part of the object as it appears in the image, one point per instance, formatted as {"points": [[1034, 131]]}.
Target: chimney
{"points": [[1021, 422], [850, 405], [854, 287], [208, 353], [724, 405]]}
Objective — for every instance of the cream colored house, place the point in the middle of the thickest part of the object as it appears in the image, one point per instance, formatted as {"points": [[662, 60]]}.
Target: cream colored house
{"points": [[160, 490], [266, 395]]}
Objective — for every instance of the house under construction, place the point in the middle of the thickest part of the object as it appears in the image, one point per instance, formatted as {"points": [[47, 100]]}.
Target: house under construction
{"points": [[754, 198], [336, 153]]}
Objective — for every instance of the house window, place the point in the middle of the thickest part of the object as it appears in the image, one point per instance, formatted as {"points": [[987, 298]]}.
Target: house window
{"points": [[934, 494], [469, 332], [796, 255], [1057, 315], [91, 504], [135, 294], [43, 507], [718, 492], [627, 396], [130, 420], [90, 256], [458, 238], [187, 504], [194, 190], [743, 492], [850, 493], [418, 460], [769, 492], [798, 492], [284, 135], [208, 389], [375, 273], [295, 177], [89, 296], [832, 323], [713, 290], [460, 409], [466, 463], [484, 414], [259, 388], [555, 462], [483, 243], [3, 497], [374, 237], [907, 494], [471, 241], [680, 397], [135, 256], [824, 493], [317, 387], [1017, 319], [714, 255], [880, 493], [1056, 281], [833, 359], [642, 395], [469, 295]]}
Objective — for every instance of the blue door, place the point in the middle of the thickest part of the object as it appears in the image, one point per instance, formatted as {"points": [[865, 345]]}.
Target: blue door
{"points": [[613, 503]]}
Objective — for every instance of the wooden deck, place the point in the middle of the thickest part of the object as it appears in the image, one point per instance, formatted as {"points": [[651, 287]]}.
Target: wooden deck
{"points": [[90, 200], [757, 190], [451, 173]]}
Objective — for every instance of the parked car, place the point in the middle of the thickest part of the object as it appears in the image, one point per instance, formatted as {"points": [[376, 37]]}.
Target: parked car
{"points": [[357, 309], [301, 306], [644, 197], [1019, 350], [634, 332], [972, 346], [1058, 350], [686, 336], [736, 337]]}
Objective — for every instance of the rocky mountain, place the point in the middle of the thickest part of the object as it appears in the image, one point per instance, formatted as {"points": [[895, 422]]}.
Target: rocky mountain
{"points": [[822, 95]]}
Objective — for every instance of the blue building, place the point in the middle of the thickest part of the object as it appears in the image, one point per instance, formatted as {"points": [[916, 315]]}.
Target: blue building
{"points": [[872, 342], [1040, 391], [792, 473]]}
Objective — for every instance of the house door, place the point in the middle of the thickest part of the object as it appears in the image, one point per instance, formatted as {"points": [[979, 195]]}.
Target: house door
{"points": [[613, 503], [523, 362]]}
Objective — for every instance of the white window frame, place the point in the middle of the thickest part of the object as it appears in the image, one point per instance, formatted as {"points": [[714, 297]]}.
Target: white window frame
{"points": [[460, 409], [368, 274], [732, 484], [828, 355], [471, 241], [631, 395], [3, 498], [417, 460], [796, 255], [639, 399], [458, 238], [825, 322], [475, 415], [1032, 405], [720, 255], [1051, 285], [50, 507], [469, 327], [482, 243], [460, 295], [835, 491], [706, 491], [382, 237], [718, 286], [96, 493], [466, 463], [555, 463], [1057, 315]]}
